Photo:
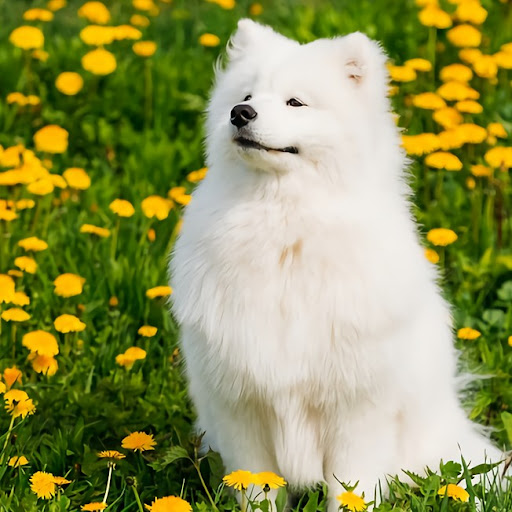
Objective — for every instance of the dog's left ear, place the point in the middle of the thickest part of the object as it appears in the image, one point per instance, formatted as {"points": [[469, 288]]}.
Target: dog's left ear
{"points": [[364, 60]]}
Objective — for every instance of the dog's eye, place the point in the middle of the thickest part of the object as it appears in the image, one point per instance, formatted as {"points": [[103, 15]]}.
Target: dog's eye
{"points": [[248, 97], [294, 102]]}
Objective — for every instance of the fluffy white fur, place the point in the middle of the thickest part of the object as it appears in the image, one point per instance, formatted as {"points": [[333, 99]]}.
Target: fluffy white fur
{"points": [[316, 340]]}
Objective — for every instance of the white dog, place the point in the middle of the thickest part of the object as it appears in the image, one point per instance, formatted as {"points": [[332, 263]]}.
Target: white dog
{"points": [[317, 343]]}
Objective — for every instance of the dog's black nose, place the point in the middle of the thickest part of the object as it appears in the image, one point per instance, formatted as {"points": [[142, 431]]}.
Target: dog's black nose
{"points": [[242, 114]]}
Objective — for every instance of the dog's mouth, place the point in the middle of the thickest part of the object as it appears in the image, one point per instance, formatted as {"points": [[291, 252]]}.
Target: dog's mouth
{"points": [[249, 143]]}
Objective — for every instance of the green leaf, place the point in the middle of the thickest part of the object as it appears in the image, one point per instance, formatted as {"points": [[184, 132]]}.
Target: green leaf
{"points": [[281, 499], [494, 317], [505, 292], [312, 504], [171, 455], [417, 479], [450, 469], [484, 468], [506, 417]]}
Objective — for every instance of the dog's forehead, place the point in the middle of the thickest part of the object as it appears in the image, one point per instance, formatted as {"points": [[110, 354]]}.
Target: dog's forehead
{"points": [[305, 65]]}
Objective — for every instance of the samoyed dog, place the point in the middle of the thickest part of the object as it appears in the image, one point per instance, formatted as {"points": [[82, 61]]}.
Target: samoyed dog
{"points": [[316, 340]]}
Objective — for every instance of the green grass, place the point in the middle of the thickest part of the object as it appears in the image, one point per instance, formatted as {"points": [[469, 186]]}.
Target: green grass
{"points": [[131, 151]]}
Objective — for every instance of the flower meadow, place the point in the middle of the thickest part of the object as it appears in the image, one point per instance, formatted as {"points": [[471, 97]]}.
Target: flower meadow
{"points": [[100, 148]]}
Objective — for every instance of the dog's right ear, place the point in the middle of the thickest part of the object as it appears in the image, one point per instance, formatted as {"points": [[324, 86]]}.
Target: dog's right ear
{"points": [[252, 36]]}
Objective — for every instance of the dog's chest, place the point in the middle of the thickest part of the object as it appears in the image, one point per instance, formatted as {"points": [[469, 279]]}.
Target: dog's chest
{"points": [[287, 298]]}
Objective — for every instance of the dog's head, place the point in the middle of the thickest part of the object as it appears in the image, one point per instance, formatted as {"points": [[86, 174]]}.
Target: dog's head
{"points": [[281, 106]]}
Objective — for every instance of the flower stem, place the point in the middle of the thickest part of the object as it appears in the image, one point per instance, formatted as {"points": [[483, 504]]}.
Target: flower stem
{"points": [[7, 437], [198, 469], [111, 466], [137, 499]]}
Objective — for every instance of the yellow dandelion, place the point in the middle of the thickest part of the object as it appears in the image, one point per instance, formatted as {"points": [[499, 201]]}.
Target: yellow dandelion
{"points": [[469, 55], [15, 315], [95, 230], [450, 139], [68, 323], [481, 171], [159, 291], [428, 100], [7, 215], [69, 83], [17, 403], [135, 353], [139, 20], [33, 243], [168, 504], [469, 107], [97, 35], [447, 117], [18, 461], [123, 32], [12, 376], [113, 302], [15, 273], [144, 48], [56, 5], [209, 40], [42, 484], [240, 479], [196, 176], [139, 441], [51, 139], [270, 479], [47, 365], [6, 288], [41, 342], [503, 59], [16, 97], [433, 16], [68, 285], [351, 501], [471, 133], [420, 144], [95, 506], [41, 187], [27, 38], [26, 264], [485, 66], [401, 73], [99, 62], [111, 454], [143, 5], [457, 91], [497, 130], [419, 64], [441, 236], [454, 491], [37, 14], [122, 207], [432, 256], [151, 235], [94, 12], [77, 178], [156, 206], [24, 204], [147, 331], [509, 341], [40, 55], [255, 9], [471, 11], [464, 36], [499, 157], [60, 481]]}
